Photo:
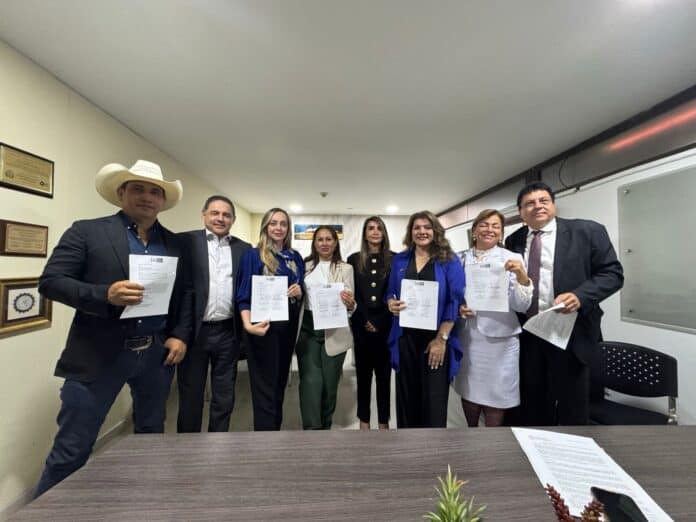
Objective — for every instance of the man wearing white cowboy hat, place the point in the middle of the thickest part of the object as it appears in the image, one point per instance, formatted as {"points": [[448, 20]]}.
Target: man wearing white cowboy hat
{"points": [[88, 270]]}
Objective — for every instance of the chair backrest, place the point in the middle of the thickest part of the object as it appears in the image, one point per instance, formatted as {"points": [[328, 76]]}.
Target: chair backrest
{"points": [[636, 370]]}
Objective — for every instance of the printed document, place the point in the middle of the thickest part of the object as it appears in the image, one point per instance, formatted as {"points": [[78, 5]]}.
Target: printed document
{"points": [[157, 274], [487, 287], [328, 310], [552, 326], [269, 298], [421, 304], [573, 464]]}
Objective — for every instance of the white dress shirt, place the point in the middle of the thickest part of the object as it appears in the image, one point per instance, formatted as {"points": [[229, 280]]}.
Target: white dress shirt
{"points": [[317, 277], [548, 249], [221, 284]]}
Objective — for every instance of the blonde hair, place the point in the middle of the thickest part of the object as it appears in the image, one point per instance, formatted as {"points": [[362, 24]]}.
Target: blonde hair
{"points": [[485, 214], [266, 249]]}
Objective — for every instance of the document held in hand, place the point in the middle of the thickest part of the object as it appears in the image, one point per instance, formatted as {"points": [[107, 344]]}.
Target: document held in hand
{"points": [[421, 304], [328, 310], [157, 274], [487, 287], [552, 326], [269, 298]]}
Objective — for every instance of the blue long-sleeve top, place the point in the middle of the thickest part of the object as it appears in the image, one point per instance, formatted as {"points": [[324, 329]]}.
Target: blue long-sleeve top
{"points": [[251, 264], [450, 276]]}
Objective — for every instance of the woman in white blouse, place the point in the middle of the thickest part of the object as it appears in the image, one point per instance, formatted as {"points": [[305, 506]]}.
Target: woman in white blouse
{"points": [[320, 353], [488, 378]]}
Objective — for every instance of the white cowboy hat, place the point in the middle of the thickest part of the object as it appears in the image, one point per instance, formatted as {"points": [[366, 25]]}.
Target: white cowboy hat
{"points": [[110, 177]]}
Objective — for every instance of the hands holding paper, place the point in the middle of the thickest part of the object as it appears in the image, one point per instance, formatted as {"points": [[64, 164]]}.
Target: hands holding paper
{"points": [[258, 329], [295, 290], [395, 306], [348, 300], [125, 293], [570, 300], [516, 267]]}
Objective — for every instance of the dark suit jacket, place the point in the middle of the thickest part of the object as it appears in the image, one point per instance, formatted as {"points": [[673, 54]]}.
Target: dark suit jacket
{"points": [[195, 247], [89, 258], [584, 263]]}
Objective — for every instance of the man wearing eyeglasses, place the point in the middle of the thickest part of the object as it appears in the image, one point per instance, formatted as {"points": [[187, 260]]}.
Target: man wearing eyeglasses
{"points": [[570, 261]]}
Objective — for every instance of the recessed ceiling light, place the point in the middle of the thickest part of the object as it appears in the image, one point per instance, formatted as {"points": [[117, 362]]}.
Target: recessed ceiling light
{"points": [[392, 209], [295, 208]]}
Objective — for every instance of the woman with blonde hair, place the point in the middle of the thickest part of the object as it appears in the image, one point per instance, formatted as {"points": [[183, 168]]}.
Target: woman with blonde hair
{"points": [[425, 360], [371, 321], [320, 353], [488, 378], [270, 344]]}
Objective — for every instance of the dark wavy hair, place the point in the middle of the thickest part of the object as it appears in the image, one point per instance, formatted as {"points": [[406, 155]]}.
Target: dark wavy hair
{"points": [[314, 254], [440, 247]]}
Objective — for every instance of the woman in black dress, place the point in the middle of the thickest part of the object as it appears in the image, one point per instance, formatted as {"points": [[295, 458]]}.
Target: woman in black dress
{"points": [[371, 321]]}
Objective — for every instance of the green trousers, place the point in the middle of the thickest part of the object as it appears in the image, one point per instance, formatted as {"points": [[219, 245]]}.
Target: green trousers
{"points": [[319, 376]]}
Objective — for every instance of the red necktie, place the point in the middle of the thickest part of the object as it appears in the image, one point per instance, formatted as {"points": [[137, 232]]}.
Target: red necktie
{"points": [[533, 269]]}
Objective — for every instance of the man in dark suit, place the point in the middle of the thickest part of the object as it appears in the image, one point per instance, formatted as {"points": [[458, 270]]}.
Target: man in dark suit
{"points": [[88, 270], [570, 261], [213, 256]]}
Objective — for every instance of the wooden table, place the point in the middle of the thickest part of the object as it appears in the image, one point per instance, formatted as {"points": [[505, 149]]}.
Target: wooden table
{"points": [[346, 475]]}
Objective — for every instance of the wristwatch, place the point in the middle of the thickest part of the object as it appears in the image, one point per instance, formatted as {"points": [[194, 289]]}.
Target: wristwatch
{"points": [[444, 336]]}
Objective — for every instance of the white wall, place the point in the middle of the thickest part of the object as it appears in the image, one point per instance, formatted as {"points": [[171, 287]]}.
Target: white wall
{"points": [[599, 202], [41, 115]]}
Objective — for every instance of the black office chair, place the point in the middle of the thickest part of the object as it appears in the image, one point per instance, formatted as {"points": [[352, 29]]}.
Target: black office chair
{"points": [[632, 370]]}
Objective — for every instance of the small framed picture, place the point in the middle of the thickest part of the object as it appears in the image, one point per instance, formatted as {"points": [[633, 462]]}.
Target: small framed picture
{"points": [[22, 308]]}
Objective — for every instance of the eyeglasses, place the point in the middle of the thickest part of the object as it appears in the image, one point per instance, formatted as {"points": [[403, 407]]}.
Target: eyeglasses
{"points": [[544, 202]]}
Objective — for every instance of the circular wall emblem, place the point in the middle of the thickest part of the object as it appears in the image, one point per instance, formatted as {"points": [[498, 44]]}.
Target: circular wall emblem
{"points": [[23, 303]]}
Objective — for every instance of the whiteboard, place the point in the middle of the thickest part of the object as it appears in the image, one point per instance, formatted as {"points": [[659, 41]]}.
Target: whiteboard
{"points": [[657, 252]]}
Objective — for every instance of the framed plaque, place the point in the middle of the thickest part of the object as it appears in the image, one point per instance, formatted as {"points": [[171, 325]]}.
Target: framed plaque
{"points": [[21, 170], [23, 239], [22, 308]]}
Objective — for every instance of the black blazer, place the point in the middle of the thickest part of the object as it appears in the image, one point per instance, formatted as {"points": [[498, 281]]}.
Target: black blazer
{"points": [[90, 256], [195, 247], [585, 263]]}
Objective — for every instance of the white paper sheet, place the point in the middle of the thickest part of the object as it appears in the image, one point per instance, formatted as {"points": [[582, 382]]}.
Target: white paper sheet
{"points": [[573, 464], [157, 274], [421, 304], [552, 326], [487, 287], [269, 298], [328, 310]]}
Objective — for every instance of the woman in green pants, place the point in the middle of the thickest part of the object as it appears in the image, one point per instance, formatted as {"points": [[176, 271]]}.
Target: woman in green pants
{"points": [[320, 353]]}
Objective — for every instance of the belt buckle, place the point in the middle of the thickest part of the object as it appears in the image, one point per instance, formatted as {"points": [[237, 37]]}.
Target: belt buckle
{"points": [[138, 344]]}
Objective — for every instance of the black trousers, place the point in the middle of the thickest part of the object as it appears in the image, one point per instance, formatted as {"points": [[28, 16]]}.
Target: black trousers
{"points": [[372, 357], [269, 360], [554, 385], [421, 393], [216, 347]]}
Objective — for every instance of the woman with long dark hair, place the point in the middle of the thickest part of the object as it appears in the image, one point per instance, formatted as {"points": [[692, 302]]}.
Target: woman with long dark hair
{"points": [[320, 353], [270, 344], [371, 321], [425, 360]]}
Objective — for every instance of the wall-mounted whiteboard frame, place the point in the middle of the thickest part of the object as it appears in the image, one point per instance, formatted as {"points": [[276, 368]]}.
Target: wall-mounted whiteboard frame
{"points": [[656, 218]]}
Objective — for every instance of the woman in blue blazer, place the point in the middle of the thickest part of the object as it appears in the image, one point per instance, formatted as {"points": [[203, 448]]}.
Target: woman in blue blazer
{"points": [[270, 344], [425, 360]]}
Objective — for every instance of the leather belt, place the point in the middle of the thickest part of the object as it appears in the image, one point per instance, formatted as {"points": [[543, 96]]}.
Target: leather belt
{"points": [[219, 323], [138, 344]]}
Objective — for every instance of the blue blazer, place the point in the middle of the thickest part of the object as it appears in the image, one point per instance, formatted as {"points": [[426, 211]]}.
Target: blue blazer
{"points": [[450, 277]]}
